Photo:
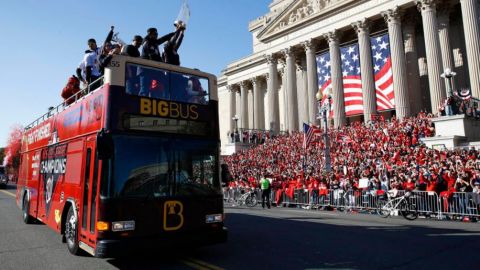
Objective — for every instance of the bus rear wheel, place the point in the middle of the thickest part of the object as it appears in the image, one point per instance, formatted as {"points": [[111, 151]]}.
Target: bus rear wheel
{"points": [[27, 219], [71, 232]]}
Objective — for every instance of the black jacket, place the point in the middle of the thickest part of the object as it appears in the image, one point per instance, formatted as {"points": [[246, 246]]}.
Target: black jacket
{"points": [[150, 47], [170, 55]]}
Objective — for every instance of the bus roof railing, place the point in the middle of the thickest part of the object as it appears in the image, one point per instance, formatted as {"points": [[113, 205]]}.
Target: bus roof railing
{"points": [[66, 103]]}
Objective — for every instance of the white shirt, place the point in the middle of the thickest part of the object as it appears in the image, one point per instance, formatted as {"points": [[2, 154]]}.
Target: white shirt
{"points": [[90, 60]]}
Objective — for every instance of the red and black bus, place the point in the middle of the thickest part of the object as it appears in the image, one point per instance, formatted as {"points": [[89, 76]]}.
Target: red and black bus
{"points": [[133, 163]]}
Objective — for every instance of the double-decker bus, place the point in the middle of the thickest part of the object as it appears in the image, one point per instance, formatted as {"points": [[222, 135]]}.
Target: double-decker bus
{"points": [[133, 163]]}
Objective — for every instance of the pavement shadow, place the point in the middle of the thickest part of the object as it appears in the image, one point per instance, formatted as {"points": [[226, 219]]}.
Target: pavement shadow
{"points": [[257, 242]]}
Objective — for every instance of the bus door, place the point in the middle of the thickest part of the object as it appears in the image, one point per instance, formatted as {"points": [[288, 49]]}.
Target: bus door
{"points": [[88, 205]]}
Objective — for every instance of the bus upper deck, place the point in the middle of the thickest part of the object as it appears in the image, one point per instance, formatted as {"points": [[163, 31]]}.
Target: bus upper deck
{"points": [[134, 94]]}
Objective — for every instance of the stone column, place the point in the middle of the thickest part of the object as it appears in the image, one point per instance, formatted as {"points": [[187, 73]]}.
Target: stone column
{"points": [[238, 102], [233, 105], [399, 69], [272, 95], [312, 81], [302, 93], [339, 118], [284, 114], [256, 102], [261, 98], [251, 111], [444, 37], [413, 72], [434, 56], [470, 16], [291, 90], [244, 105], [366, 68]]}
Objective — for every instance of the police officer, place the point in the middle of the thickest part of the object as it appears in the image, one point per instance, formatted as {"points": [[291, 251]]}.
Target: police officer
{"points": [[265, 186]]}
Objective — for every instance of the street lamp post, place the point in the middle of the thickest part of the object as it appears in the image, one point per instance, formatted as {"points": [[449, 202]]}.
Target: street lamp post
{"points": [[324, 109], [448, 75], [235, 118], [235, 135]]}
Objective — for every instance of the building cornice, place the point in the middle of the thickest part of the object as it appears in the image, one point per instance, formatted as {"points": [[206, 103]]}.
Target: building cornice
{"points": [[280, 25]]}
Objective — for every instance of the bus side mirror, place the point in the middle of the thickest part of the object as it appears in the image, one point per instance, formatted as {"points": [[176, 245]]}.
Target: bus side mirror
{"points": [[104, 145]]}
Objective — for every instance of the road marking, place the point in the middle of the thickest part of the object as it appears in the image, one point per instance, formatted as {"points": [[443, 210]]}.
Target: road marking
{"points": [[197, 264], [455, 234], [194, 265], [8, 193]]}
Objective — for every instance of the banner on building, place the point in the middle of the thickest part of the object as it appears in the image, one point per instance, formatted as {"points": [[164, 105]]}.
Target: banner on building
{"points": [[382, 70], [352, 80], [324, 78]]}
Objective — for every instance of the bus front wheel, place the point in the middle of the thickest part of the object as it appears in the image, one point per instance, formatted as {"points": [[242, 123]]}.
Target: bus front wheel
{"points": [[71, 232]]}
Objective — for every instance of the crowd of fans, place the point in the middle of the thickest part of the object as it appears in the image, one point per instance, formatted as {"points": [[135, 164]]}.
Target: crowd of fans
{"points": [[253, 136], [387, 153]]}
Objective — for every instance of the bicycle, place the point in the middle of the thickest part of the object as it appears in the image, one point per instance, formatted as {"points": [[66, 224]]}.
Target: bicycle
{"points": [[407, 209], [248, 198]]}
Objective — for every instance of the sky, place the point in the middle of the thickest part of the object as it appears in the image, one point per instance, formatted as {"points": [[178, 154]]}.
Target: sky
{"points": [[42, 42]]}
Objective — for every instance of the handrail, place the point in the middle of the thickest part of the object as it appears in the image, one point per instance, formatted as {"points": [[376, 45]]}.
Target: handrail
{"points": [[62, 106]]}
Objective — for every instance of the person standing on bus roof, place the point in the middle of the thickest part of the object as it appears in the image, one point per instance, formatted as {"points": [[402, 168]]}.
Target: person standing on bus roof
{"points": [[132, 49], [170, 54], [131, 77], [151, 42], [90, 62], [150, 51]]}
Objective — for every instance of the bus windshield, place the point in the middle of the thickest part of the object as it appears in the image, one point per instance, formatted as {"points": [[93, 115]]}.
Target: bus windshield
{"points": [[164, 84], [162, 167]]}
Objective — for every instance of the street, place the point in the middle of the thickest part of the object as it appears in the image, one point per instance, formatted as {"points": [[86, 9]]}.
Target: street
{"points": [[277, 238]]}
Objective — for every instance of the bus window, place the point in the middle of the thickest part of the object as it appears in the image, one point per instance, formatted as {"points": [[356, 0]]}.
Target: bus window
{"points": [[163, 84], [197, 90], [146, 81], [178, 90], [154, 167]]}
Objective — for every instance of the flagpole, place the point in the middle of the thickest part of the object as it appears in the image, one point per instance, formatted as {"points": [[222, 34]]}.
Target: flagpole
{"points": [[324, 109]]}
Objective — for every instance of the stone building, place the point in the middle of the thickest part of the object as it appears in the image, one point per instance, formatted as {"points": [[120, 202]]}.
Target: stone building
{"points": [[372, 57]]}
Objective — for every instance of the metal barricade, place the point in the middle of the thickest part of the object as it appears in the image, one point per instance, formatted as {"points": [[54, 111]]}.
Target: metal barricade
{"points": [[427, 203], [460, 204]]}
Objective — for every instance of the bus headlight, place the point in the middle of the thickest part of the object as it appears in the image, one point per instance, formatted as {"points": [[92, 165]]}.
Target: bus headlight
{"points": [[215, 218], [119, 226]]}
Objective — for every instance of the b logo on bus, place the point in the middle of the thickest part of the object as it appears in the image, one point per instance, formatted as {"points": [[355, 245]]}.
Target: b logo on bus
{"points": [[172, 215]]}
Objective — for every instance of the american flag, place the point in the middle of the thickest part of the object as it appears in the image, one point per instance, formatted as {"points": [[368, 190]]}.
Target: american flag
{"points": [[352, 81], [308, 133], [382, 68], [324, 76]]}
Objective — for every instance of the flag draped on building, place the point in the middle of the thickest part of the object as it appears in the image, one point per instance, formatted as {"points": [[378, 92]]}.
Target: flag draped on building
{"points": [[463, 94], [308, 133], [382, 68], [324, 75], [352, 81]]}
